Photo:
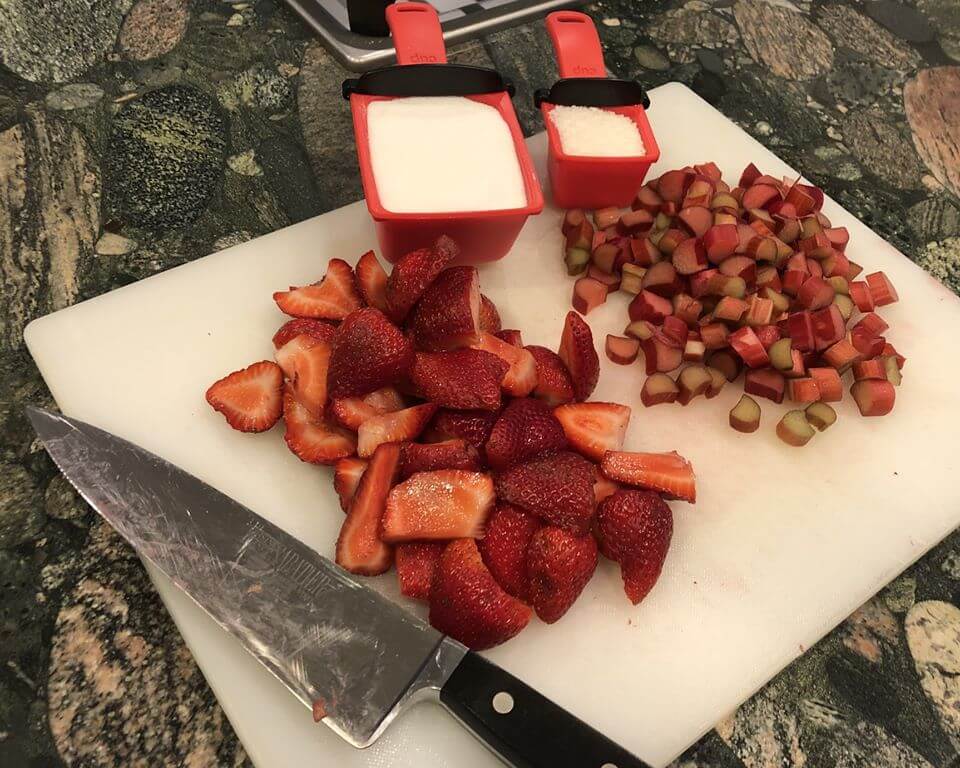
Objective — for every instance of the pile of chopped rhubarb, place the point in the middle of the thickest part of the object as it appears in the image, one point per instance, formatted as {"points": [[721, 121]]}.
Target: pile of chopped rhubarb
{"points": [[754, 277], [471, 462]]}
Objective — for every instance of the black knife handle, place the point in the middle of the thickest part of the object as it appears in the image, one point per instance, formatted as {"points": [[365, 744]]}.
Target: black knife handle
{"points": [[535, 733]]}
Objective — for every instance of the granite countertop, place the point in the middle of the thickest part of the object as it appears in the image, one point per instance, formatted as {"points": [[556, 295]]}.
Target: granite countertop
{"points": [[136, 135]]}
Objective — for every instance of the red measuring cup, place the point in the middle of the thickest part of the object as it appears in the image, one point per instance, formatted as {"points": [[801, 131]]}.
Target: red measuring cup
{"points": [[422, 71], [578, 181]]}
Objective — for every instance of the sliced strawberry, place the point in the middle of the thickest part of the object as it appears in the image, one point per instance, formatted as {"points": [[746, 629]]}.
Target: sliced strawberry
{"points": [[521, 377], [445, 504], [305, 361], [472, 426], [313, 440], [668, 473], [369, 352], [504, 547], [594, 428], [251, 399], [416, 564], [333, 298], [559, 566], [489, 316], [580, 356], [351, 412], [634, 528], [317, 329], [413, 274], [603, 487], [427, 457], [359, 547], [372, 281], [557, 487], [462, 378], [467, 603], [395, 427], [526, 428], [553, 379], [448, 314], [511, 336], [346, 478]]}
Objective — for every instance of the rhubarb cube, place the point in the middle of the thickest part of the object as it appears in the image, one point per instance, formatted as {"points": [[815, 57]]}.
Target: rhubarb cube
{"points": [[746, 344], [803, 390], [842, 355], [882, 289], [828, 383], [874, 397], [765, 382]]}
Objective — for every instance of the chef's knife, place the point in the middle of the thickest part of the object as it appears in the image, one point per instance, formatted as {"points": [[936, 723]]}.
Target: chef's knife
{"points": [[339, 646]]}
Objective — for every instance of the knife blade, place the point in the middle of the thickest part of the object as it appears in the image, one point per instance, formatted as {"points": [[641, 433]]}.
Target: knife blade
{"points": [[324, 635]]}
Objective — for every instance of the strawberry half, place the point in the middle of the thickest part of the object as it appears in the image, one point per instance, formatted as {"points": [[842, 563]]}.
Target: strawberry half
{"points": [[594, 428], [305, 361], [318, 329], [346, 478], [559, 565], [427, 457], [462, 378], [553, 379], [445, 504], [413, 274], [448, 314], [393, 427], [250, 400], [372, 281], [521, 377], [313, 440], [351, 412], [511, 336], [526, 428], [369, 352], [504, 547], [558, 488], [489, 316], [467, 603], [580, 356], [634, 528], [472, 426], [416, 563], [602, 487], [359, 547], [668, 473], [333, 298]]}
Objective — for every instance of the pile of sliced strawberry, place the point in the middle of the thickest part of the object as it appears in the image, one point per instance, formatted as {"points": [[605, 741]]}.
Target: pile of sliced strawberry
{"points": [[754, 276], [471, 462]]}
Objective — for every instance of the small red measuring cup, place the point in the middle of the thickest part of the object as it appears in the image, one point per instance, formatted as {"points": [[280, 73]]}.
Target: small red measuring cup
{"points": [[578, 181], [422, 70]]}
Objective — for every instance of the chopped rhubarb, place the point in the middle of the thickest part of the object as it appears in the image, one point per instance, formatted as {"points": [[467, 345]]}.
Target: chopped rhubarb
{"points": [[658, 388], [667, 473], [750, 174], [835, 265], [631, 277], [745, 415], [763, 248], [815, 293], [780, 302], [647, 199], [768, 335], [700, 283], [794, 429], [588, 294], [604, 256], [717, 382], [644, 252], [842, 355], [799, 367], [870, 369], [730, 309], [828, 383], [576, 260], [662, 279], [687, 308], [660, 353], [866, 343], [800, 330], [759, 311], [727, 363], [816, 247], [580, 235], [689, 257], [793, 280], [759, 196], [861, 295], [671, 239], [694, 380], [715, 335], [649, 306], [888, 349], [872, 323], [874, 397], [621, 349], [721, 241], [672, 185], [765, 382], [606, 217], [768, 278], [803, 390], [635, 222], [781, 355], [746, 344], [697, 219], [820, 415], [802, 200], [694, 351], [814, 268], [676, 329], [845, 305], [828, 326], [881, 289], [892, 370], [572, 219], [640, 329]]}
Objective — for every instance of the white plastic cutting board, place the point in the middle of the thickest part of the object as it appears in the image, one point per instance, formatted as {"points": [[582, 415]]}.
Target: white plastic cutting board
{"points": [[781, 546]]}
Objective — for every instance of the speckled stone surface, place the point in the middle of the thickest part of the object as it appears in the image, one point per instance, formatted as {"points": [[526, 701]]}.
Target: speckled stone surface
{"points": [[135, 136]]}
